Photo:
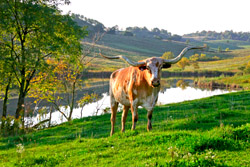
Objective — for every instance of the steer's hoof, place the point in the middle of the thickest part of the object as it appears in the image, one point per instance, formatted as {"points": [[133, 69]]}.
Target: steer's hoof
{"points": [[149, 127]]}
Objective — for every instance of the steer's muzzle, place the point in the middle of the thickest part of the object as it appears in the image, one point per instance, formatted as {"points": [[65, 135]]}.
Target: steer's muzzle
{"points": [[156, 83]]}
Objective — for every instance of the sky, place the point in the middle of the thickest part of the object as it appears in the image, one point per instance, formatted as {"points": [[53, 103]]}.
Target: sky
{"points": [[176, 16]]}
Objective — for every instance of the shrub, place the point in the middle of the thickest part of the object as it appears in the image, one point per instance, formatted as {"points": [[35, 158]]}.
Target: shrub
{"points": [[10, 126]]}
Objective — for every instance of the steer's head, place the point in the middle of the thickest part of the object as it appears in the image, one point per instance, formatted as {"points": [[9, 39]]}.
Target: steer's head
{"points": [[152, 66], [152, 70]]}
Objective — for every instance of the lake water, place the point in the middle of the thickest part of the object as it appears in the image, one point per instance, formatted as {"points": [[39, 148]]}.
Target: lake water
{"points": [[167, 95]]}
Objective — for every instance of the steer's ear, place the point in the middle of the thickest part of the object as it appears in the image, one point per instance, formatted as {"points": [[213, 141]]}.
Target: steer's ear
{"points": [[166, 65], [143, 67]]}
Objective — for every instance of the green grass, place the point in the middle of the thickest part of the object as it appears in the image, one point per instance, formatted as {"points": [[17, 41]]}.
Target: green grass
{"points": [[213, 131]]}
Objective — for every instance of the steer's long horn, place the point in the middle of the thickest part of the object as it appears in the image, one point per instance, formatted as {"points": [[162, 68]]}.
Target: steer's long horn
{"points": [[183, 52], [124, 58]]}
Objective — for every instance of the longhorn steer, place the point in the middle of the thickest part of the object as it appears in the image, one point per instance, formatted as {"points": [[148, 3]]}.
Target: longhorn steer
{"points": [[138, 85]]}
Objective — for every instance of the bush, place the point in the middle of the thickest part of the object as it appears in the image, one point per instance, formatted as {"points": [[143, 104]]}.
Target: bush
{"points": [[10, 126]]}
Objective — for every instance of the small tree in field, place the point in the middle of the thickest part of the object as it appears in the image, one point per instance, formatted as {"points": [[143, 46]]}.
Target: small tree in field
{"points": [[168, 55], [59, 85], [203, 56], [247, 69], [87, 98], [194, 57], [183, 63]]}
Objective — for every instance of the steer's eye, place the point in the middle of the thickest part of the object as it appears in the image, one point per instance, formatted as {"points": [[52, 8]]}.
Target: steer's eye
{"points": [[142, 68]]}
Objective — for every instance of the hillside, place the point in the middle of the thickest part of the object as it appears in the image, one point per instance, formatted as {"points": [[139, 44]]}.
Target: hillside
{"points": [[142, 43], [208, 132], [228, 35], [138, 48]]}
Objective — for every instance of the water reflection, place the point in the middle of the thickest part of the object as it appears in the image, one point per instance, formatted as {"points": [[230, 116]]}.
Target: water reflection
{"points": [[166, 96]]}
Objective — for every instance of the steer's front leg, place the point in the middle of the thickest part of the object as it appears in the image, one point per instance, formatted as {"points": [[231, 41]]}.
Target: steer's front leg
{"points": [[149, 126], [134, 107]]}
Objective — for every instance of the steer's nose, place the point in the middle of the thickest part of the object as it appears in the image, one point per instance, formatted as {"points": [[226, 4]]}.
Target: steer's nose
{"points": [[156, 82]]}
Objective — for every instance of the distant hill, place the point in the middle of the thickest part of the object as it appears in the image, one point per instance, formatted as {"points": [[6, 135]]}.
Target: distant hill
{"points": [[93, 26], [212, 35], [154, 33]]}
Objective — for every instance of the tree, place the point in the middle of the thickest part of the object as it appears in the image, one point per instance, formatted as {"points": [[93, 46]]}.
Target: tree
{"points": [[127, 33], [87, 99], [183, 63], [247, 69], [219, 49], [194, 57], [215, 58], [203, 56], [168, 55], [112, 30], [35, 30], [59, 86], [6, 81]]}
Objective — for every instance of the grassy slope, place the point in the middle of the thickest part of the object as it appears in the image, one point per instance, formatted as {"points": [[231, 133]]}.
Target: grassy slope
{"points": [[206, 132]]}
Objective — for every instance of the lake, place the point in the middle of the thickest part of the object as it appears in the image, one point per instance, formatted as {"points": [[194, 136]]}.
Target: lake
{"points": [[172, 91]]}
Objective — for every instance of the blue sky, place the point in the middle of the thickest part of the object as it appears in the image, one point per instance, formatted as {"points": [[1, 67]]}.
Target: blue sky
{"points": [[176, 16]]}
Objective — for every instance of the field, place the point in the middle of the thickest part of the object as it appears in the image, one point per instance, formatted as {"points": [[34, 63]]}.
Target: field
{"points": [[137, 48], [213, 131]]}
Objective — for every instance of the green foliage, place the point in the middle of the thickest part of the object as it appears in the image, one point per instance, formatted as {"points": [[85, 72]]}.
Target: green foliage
{"points": [[203, 56], [247, 69], [10, 126], [168, 55], [144, 32], [219, 49], [87, 99], [183, 63], [215, 58], [32, 31], [194, 57], [127, 33]]}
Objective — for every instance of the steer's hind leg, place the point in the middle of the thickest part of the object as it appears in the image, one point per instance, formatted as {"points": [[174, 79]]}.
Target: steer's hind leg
{"points": [[114, 106], [124, 117], [149, 126]]}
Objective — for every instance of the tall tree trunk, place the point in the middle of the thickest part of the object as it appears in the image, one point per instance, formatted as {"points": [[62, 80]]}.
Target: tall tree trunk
{"points": [[6, 97], [20, 103], [72, 101]]}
